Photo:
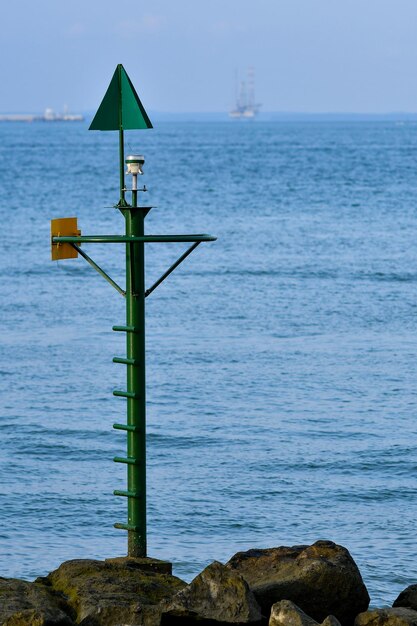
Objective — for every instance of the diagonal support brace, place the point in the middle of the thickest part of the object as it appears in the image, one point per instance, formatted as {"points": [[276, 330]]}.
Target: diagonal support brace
{"points": [[172, 268], [98, 269]]}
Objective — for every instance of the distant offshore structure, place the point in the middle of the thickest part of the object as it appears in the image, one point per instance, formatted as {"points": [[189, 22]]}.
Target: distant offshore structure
{"points": [[66, 116], [246, 107], [48, 116]]}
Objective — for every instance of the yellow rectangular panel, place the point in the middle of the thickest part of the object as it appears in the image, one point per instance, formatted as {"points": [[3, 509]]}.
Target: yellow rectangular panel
{"points": [[64, 227]]}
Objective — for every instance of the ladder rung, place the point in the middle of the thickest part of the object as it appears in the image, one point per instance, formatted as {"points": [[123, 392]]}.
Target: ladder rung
{"points": [[125, 329], [132, 429], [127, 494], [126, 394], [119, 359], [130, 460], [127, 527]]}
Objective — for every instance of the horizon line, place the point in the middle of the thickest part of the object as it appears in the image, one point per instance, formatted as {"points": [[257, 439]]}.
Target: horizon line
{"points": [[224, 113]]}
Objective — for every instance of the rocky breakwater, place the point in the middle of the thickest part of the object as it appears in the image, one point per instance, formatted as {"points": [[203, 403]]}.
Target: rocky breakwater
{"points": [[285, 586], [402, 613]]}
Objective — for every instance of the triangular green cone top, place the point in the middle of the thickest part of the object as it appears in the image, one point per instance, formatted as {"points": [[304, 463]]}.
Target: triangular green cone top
{"points": [[121, 108]]}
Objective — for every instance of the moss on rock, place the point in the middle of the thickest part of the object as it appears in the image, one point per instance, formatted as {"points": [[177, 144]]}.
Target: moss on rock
{"points": [[397, 616], [24, 603], [217, 595], [322, 579], [117, 591]]}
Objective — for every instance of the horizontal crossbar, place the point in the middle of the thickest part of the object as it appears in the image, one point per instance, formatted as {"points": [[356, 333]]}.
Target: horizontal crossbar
{"points": [[130, 460], [125, 329], [128, 427], [126, 494], [119, 359], [129, 239], [126, 394]]}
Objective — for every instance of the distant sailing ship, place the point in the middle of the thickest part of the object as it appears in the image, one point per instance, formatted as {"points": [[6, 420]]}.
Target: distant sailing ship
{"points": [[246, 106]]}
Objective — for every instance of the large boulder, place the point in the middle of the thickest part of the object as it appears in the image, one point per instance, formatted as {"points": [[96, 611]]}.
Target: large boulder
{"points": [[216, 596], [286, 613], [398, 616], [322, 579], [407, 598], [113, 592], [29, 604]]}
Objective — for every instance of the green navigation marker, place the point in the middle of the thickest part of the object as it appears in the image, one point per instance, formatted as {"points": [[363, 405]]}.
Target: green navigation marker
{"points": [[122, 109]]}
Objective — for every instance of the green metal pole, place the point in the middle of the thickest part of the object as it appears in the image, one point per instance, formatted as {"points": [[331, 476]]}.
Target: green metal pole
{"points": [[136, 404], [122, 201]]}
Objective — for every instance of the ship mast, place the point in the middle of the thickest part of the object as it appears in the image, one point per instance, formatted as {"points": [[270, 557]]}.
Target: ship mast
{"points": [[246, 106], [251, 88]]}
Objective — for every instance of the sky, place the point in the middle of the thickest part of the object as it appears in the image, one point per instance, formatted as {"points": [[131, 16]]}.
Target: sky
{"points": [[182, 55]]}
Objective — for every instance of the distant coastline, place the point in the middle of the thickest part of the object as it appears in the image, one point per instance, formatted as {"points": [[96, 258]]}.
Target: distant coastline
{"points": [[49, 115], [282, 116], [222, 116]]}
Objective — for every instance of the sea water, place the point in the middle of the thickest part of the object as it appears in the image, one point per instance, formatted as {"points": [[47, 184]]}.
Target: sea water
{"points": [[281, 359]]}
